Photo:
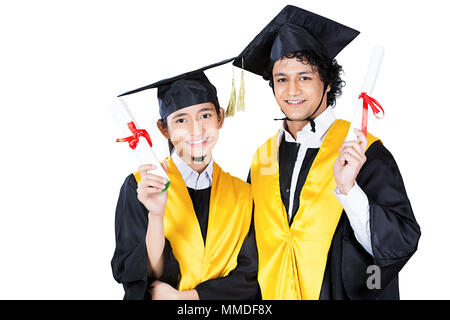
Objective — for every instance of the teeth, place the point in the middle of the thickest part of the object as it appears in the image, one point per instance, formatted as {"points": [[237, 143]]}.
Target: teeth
{"points": [[198, 141], [295, 101]]}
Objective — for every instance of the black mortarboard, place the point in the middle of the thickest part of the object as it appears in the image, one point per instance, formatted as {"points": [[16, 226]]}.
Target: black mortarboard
{"points": [[292, 30], [184, 90]]}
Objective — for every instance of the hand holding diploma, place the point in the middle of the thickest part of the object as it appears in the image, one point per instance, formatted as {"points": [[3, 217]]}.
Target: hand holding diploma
{"points": [[150, 189], [350, 160], [142, 147]]}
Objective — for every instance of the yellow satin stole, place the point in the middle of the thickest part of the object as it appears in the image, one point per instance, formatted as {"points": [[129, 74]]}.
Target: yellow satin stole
{"points": [[230, 213], [292, 259]]}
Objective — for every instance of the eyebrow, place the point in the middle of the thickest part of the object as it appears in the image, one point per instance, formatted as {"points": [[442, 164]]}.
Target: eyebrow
{"points": [[180, 115], [299, 73], [206, 109], [185, 114]]}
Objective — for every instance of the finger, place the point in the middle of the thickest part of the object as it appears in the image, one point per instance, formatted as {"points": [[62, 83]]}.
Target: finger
{"points": [[150, 191], [153, 185], [351, 159], [149, 186], [143, 188], [354, 145], [357, 144], [147, 179], [361, 137], [356, 154], [143, 168], [341, 160]]}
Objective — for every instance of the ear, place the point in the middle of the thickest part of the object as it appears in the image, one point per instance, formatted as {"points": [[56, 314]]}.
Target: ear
{"points": [[221, 117], [328, 88], [163, 129]]}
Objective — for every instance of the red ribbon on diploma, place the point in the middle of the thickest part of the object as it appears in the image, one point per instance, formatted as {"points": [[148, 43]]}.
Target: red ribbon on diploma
{"points": [[134, 139], [374, 105]]}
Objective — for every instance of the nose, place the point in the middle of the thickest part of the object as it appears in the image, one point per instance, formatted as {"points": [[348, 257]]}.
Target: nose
{"points": [[294, 88], [197, 128]]}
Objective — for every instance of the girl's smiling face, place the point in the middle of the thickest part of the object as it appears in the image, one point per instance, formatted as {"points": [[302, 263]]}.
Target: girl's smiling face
{"points": [[194, 130]]}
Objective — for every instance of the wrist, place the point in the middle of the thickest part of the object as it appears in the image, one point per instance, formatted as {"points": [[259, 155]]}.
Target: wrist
{"points": [[345, 188]]}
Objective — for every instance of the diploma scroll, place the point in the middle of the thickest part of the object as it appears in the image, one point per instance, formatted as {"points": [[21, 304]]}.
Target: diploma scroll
{"points": [[139, 140], [368, 85]]}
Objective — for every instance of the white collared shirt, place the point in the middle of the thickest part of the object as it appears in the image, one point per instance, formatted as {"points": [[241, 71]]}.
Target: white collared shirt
{"points": [[192, 178], [355, 203]]}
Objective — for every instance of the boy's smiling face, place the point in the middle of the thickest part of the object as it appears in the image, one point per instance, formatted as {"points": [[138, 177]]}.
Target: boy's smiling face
{"points": [[298, 88]]}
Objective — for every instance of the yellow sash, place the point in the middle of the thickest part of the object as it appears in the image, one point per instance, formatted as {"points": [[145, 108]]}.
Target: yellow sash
{"points": [[292, 259], [230, 213]]}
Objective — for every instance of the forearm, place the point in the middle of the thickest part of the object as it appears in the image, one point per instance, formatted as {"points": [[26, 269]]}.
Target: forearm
{"points": [[356, 205], [155, 245]]}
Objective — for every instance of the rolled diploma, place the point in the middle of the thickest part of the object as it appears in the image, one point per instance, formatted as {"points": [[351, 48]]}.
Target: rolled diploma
{"points": [[143, 152], [368, 85]]}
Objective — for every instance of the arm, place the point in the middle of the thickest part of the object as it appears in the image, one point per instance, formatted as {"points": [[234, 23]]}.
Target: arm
{"points": [[393, 227], [393, 230], [149, 194], [356, 206], [155, 242], [129, 263]]}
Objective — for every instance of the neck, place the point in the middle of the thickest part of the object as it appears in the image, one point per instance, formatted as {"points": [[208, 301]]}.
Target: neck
{"points": [[295, 126]]}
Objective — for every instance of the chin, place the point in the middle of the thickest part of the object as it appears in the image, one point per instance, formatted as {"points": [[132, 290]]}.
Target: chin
{"points": [[296, 116]]}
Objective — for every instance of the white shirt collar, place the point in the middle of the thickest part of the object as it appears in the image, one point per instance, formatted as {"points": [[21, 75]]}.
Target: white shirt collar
{"points": [[191, 177], [306, 136]]}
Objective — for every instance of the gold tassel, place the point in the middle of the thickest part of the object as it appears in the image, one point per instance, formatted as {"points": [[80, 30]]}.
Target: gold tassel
{"points": [[232, 102], [240, 103]]}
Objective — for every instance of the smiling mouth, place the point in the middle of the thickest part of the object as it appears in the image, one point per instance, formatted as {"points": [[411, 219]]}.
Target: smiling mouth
{"points": [[294, 102], [198, 142]]}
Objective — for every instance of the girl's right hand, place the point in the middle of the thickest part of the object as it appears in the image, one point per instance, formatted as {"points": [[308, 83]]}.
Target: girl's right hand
{"points": [[150, 187]]}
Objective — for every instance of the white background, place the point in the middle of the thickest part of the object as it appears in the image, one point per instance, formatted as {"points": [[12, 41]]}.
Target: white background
{"points": [[63, 62]]}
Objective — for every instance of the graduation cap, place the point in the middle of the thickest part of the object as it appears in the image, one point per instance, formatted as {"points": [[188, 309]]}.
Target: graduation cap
{"points": [[294, 29], [184, 90]]}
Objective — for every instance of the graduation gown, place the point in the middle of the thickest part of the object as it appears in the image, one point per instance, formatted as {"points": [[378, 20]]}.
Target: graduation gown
{"points": [[394, 230], [129, 263]]}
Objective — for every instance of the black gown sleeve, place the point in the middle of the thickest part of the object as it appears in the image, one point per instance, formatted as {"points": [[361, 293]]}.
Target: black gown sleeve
{"points": [[129, 262], [241, 283], [394, 230]]}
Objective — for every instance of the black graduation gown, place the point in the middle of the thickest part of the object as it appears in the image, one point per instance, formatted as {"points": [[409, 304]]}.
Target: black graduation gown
{"points": [[394, 230], [129, 262]]}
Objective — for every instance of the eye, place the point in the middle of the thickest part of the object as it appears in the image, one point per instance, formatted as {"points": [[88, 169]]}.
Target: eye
{"points": [[305, 78], [281, 79], [181, 120], [206, 115]]}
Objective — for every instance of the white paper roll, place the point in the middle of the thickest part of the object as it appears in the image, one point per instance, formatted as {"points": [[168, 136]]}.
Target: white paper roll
{"points": [[367, 87], [143, 152]]}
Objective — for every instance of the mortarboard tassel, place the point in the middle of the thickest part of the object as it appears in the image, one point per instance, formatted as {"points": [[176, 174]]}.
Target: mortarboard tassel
{"points": [[240, 102], [232, 102]]}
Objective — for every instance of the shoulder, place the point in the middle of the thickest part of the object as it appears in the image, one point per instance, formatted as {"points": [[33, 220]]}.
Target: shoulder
{"points": [[129, 186], [378, 153], [380, 162]]}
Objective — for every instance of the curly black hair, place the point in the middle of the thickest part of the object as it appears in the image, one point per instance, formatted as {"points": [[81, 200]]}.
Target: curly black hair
{"points": [[329, 71]]}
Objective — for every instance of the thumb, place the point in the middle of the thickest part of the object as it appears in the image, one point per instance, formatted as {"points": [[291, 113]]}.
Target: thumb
{"points": [[164, 165]]}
